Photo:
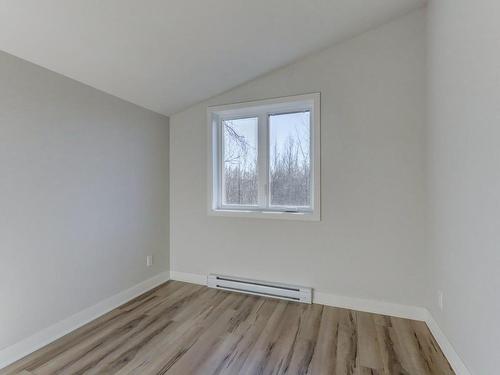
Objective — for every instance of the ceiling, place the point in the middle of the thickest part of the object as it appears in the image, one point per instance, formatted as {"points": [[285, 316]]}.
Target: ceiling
{"points": [[168, 54]]}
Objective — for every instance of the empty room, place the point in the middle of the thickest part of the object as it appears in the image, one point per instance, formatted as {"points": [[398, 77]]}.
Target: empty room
{"points": [[300, 187]]}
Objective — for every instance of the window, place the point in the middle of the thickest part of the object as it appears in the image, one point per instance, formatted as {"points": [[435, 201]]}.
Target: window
{"points": [[264, 158]]}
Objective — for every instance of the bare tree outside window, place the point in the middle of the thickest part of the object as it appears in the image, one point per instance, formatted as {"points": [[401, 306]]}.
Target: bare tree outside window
{"points": [[240, 161], [290, 163]]}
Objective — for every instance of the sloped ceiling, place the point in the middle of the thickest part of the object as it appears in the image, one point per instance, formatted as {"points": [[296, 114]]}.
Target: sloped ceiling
{"points": [[168, 54]]}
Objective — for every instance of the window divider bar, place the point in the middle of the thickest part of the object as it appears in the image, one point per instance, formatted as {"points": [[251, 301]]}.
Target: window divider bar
{"points": [[262, 161], [220, 162]]}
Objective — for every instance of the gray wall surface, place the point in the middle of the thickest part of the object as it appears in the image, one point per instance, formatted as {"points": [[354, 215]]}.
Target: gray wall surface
{"points": [[83, 197], [464, 176]]}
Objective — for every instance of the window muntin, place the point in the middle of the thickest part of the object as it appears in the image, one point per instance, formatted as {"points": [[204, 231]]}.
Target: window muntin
{"points": [[264, 158]]}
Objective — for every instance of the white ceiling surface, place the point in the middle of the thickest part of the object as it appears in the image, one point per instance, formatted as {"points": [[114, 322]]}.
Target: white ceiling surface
{"points": [[168, 54]]}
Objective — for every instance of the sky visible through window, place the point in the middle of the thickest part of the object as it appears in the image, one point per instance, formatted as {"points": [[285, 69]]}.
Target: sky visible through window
{"points": [[290, 127]]}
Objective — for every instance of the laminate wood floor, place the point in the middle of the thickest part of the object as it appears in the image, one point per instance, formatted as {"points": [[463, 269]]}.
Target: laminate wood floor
{"points": [[181, 328]]}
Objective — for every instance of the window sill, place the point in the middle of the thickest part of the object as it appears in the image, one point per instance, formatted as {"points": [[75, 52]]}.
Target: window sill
{"points": [[276, 215]]}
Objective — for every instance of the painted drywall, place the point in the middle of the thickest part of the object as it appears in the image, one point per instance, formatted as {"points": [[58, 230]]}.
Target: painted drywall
{"points": [[83, 197], [370, 241], [464, 176], [168, 55]]}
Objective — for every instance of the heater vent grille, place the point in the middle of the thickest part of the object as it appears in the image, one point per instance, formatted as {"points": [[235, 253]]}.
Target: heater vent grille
{"points": [[260, 288]]}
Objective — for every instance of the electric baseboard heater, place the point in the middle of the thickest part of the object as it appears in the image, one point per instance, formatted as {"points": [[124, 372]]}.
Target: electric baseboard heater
{"points": [[260, 288]]}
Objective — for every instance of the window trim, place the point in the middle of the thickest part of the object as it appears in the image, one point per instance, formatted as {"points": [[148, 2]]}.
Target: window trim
{"points": [[261, 108]]}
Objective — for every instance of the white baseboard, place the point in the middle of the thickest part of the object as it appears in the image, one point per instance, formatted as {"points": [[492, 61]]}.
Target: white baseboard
{"points": [[192, 278], [46, 336], [450, 353], [360, 304], [372, 306]]}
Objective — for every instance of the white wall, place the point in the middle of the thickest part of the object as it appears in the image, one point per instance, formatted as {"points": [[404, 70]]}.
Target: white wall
{"points": [[83, 197], [464, 176], [370, 242]]}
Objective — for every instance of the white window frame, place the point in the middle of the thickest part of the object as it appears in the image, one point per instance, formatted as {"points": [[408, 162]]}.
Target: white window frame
{"points": [[263, 109]]}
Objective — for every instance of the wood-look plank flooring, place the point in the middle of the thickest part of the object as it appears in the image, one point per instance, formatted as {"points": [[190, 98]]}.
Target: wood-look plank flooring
{"points": [[183, 329]]}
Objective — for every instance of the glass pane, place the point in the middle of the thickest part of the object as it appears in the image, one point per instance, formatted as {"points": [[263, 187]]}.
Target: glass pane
{"points": [[239, 175], [289, 159]]}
